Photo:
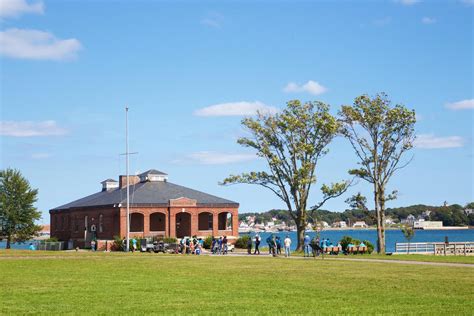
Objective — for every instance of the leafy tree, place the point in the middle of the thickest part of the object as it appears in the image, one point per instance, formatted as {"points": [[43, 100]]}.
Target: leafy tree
{"points": [[291, 142], [409, 233], [470, 205], [17, 213], [380, 135]]}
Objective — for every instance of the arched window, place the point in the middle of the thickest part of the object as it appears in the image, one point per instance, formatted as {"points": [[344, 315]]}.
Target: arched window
{"points": [[101, 227], [225, 221], [205, 221], [157, 222], [136, 222]]}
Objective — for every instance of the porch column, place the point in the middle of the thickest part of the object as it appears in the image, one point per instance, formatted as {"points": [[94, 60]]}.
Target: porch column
{"points": [[194, 222], [146, 224], [235, 222], [172, 222], [215, 223]]}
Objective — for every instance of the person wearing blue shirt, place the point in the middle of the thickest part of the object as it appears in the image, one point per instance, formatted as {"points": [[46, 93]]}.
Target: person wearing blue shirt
{"points": [[32, 247], [306, 245]]}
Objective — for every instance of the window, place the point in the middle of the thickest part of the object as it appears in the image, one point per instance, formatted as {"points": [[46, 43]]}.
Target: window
{"points": [[101, 228]]}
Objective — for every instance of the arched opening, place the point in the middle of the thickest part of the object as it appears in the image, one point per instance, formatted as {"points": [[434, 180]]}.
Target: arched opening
{"points": [[225, 221], [136, 222], [101, 223], [157, 222], [183, 224], [205, 221]]}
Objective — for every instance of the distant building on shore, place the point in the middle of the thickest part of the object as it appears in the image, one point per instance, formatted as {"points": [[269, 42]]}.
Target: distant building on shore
{"points": [[157, 208], [422, 224], [339, 224], [359, 224]]}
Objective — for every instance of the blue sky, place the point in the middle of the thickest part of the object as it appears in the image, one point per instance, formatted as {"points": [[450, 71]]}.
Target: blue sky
{"points": [[189, 72]]}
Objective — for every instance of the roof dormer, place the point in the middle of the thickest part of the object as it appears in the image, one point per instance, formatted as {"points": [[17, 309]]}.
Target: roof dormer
{"points": [[153, 175], [109, 184]]}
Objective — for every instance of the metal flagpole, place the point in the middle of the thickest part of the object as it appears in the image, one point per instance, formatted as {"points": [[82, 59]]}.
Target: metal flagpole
{"points": [[128, 180], [127, 154]]}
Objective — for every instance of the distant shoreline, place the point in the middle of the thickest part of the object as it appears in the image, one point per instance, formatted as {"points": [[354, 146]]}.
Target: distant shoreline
{"points": [[356, 228]]}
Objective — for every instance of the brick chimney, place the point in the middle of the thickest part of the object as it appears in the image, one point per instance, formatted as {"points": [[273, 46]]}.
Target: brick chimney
{"points": [[133, 180]]}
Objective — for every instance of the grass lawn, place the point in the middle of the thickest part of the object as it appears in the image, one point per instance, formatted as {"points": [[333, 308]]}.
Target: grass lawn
{"points": [[119, 283], [414, 257]]}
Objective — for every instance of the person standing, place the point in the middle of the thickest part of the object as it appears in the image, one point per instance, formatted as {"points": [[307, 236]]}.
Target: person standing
{"points": [[278, 245], [249, 244], [134, 244], [224, 245], [219, 244], [257, 244], [306, 245], [287, 244]]}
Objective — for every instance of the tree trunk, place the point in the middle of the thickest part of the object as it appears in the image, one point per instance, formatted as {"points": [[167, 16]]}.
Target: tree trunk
{"points": [[8, 242], [300, 235], [380, 218]]}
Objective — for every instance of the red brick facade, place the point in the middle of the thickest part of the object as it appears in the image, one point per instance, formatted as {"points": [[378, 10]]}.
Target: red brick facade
{"points": [[171, 221]]}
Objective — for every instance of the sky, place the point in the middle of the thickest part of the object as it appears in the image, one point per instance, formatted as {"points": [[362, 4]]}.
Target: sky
{"points": [[190, 72]]}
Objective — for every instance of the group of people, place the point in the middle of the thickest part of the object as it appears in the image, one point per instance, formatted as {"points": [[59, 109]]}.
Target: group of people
{"points": [[219, 246], [191, 245], [274, 243]]}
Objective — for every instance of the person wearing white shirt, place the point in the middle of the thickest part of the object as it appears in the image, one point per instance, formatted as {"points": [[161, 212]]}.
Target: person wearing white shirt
{"points": [[287, 244]]}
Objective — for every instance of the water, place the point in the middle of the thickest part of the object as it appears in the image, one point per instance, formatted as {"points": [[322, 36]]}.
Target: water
{"points": [[391, 236]]}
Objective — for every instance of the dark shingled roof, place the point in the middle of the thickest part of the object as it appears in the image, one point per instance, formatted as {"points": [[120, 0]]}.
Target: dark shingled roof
{"points": [[154, 171], [109, 180], [148, 194]]}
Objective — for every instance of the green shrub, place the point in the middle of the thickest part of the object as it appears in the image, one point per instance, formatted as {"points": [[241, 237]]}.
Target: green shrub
{"points": [[207, 242], [51, 239], [370, 246], [346, 240], [117, 245], [169, 240], [242, 241]]}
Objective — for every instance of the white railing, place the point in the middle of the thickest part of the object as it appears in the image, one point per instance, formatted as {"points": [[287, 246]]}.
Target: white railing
{"points": [[436, 248]]}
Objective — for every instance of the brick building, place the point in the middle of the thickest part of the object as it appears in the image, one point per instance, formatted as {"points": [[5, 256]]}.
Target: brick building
{"points": [[157, 208]]}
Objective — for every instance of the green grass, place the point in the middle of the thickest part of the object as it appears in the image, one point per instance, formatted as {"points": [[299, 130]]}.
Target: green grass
{"points": [[410, 257], [119, 283], [415, 257]]}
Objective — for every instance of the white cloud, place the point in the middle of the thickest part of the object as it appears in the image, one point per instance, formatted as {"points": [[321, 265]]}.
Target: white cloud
{"points": [[33, 44], [213, 20], [29, 128], [236, 109], [216, 158], [14, 8], [429, 141], [408, 2], [311, 87], [461, 105], [428, 20], [468, 2], [40, 155]]}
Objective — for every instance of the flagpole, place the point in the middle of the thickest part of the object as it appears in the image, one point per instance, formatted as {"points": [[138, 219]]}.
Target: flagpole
{"points": [[128, 180]]}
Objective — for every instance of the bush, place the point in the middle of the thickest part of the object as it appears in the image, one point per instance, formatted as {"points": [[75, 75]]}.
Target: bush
{"points": [[207, 242], [117, 245], [242, 241], [51, 239], [170, 240], [370, 246], [346, 240]]}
